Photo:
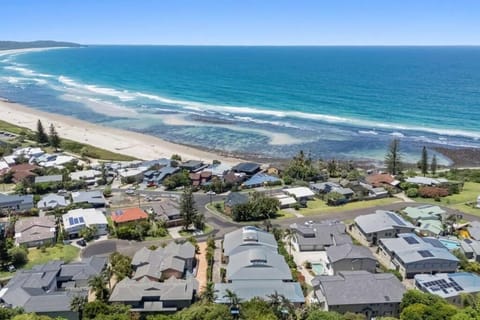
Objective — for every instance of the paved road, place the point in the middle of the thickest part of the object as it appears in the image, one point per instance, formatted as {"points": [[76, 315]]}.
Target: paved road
{"points": [[222, 225]]}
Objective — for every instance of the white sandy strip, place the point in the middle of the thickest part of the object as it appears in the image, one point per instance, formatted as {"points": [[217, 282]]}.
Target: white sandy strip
{"points": [[19, 51], [121, 141]]}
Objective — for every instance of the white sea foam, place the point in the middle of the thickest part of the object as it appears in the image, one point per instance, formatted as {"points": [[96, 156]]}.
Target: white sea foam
{"points": [[27, 72]]}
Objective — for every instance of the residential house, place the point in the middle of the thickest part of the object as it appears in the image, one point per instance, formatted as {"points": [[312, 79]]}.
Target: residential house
{"points": [[153, 178], [169, 211], [471, 249], [234, 178], [131, 175], [74, 221], [426, 181], [201, 178], [94, 198], [248, 168], [175, 260], [247, 238], [23, 172], [234, 199], [54, 179], [349, 257], [413, 255], [28, 152], [381, 224], [259, 272], [473, 229], [151, 296], [52, 201], [218, 170], [35, 231], [89, 176], [428, 219], [17, 203], [327, 187], [54, 160], [192, 165], [449, 286], [156, 164], [374, 295], [374, 192], [317, 236], [302, 194], [48, 289], [129, 215], [260, 180], [285, 200], [382, 180]]}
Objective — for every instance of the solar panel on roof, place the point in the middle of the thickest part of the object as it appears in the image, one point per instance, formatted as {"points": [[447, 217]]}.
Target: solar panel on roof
{"points": [[396, 219], [425, 253], [411, 240]]}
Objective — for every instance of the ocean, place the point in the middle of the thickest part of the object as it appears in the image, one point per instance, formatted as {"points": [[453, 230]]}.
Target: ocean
{"points": [[334, 102]]}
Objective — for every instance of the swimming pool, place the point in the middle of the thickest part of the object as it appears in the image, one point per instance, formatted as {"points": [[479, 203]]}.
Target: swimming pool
{"points": [[450, 244], [318, 269]]}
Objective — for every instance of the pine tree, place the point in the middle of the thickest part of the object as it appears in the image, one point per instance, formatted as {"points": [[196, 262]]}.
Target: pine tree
{"points": [[393, 158], [54, 138], [4, 255], [188, 212], [433, 165], [41, 135], [424, 161]]}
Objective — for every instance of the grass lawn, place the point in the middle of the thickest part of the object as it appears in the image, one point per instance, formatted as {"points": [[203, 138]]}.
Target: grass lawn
{"points": [[6, 187], [66, 253], [5, 126], [469, 194], [282, 214], [318, 206]]}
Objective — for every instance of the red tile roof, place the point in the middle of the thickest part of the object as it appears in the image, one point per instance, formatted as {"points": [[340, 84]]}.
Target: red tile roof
{"points": [[378, 180], [127, 215]]}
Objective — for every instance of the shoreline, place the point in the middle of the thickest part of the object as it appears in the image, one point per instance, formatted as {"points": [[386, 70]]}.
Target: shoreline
{"points": [[125, 142]]}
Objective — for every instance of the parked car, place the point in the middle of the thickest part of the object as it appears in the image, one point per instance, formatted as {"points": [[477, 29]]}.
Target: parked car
{"points": [[130, 191], [82, 243]]}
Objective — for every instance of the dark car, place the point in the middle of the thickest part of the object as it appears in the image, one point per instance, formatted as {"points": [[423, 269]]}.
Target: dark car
{"points": [[82, 243]]}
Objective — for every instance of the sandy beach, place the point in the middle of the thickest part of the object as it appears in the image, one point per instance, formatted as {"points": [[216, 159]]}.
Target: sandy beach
{"points": [[121, 141]]}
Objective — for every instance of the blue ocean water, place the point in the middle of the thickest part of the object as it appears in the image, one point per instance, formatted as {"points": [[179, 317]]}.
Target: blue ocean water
{"points": [[342, 102]]}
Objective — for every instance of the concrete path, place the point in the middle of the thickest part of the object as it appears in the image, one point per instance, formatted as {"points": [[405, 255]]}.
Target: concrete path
{"points": [[175, 232], [201, 275]]}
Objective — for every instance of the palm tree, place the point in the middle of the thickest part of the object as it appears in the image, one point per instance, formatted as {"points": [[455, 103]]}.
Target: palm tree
{"points": [[107, 274], [97, 284], [232, 297], [281, 305], [77, 304], [208, 294], [288, 234]]}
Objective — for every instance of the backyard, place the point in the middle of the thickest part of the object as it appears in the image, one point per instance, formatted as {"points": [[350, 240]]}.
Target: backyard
{"points": [[66, 253], [318, 206]]}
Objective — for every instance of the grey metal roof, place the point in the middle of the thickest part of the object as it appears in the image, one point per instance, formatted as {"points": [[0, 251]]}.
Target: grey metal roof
{"points": [[248, 237], [474, 230], [257, 264], [359, 287], [470, 245], [52, 200], [85, 269], [92, 197], [247, 167], [381, 220], [409, 248], [9, 199], [129, 290], [321, 233], [247, 290], [348, 251], [49, 179], [34, 229], [236, 198]]}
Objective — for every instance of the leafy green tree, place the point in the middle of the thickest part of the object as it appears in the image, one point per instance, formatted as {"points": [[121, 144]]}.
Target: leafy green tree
{"points": [[257, 309], [9, 313], [424, 161], [53, 137], [18, 256], [433, 165], [77, 304], [188, 211], [4, 255], [121, 265], [41, 136], [88, 233], [31, 316], [393, 159]]}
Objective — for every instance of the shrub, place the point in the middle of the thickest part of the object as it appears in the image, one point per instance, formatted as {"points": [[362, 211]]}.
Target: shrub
{"points": [[432, 192], [412, 193], [18, 256]]}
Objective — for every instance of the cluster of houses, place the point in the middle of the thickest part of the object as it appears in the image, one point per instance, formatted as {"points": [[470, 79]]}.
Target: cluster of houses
{"points": [[48, 289]]}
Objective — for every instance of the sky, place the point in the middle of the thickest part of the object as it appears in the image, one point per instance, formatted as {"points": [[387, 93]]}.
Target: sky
{"points": [[243, 22]]}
